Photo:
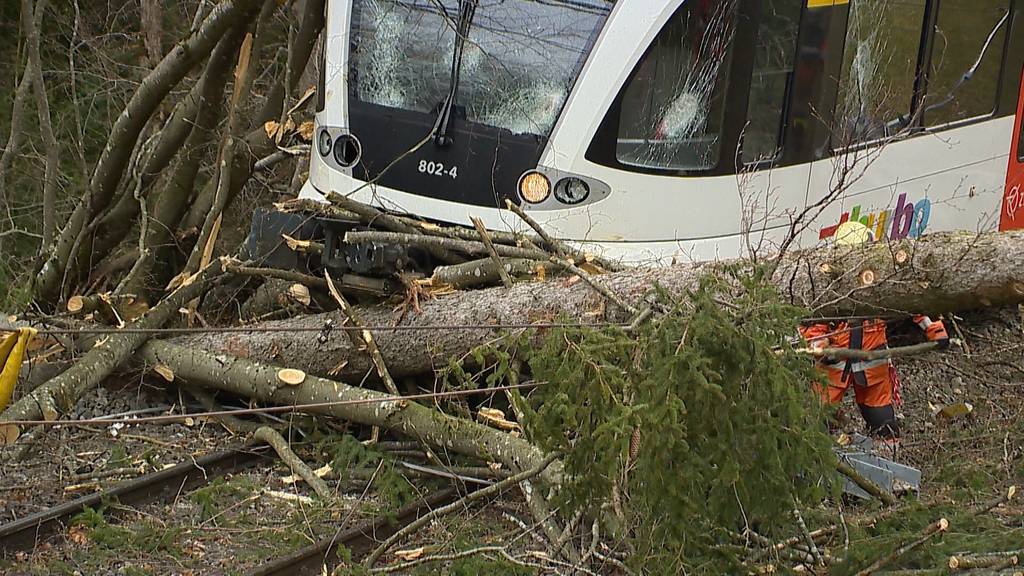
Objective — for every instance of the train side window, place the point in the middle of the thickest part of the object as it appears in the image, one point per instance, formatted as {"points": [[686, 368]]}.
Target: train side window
{"points": [[970, 36], [773, 65], [876, 89], [672, 108]]}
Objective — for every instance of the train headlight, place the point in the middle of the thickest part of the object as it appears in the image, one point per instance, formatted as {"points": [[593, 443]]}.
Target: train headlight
{"points": [[347, 150], [534, 187], [571, 190], [325, 143]]}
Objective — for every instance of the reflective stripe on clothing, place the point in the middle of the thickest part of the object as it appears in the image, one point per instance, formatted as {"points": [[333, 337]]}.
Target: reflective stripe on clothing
{"points": [[858, 366]]}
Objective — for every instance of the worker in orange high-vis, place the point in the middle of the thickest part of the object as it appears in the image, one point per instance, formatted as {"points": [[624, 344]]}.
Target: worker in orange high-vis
{"points": [[875, 383]]}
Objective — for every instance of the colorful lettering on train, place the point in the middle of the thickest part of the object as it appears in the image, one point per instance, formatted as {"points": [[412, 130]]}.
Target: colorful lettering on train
{"points": [[906, 220]]}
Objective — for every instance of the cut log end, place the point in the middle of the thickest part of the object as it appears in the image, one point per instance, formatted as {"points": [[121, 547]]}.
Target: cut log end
{"points": [[9, 433], [164, 371], [291, 376], [901, 257], [76, 304], [300, 294], [867, 277]]}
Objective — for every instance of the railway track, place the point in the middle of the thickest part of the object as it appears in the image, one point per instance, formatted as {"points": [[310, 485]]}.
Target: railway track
{"points": [[26, 533], [360, 539]]}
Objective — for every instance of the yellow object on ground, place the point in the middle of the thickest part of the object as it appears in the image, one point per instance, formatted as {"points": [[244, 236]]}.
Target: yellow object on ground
{"points": [[12, 352], [853, 233]]}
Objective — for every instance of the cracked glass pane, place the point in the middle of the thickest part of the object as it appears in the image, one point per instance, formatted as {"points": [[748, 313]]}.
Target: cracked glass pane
{"points": [[672, 108], [969, 39], [773, 63], [879, 68], [519, 62]]}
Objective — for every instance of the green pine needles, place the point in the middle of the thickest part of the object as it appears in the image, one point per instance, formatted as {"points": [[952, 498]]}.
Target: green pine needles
{"points": [[725, 428]]}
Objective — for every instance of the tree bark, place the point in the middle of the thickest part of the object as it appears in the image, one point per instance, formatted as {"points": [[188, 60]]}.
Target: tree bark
{"points": [[945, 272], [20, 99], [244, 73], [260, 382], [171, 201], [151, 19], [257, 143], [31, 22]]}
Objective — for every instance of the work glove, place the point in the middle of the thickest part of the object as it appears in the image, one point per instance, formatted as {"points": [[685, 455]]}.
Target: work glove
{"points": [[935, 331]]}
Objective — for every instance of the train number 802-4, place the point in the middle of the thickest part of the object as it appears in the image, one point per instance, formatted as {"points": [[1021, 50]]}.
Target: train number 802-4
{"points": [[438, 169]]}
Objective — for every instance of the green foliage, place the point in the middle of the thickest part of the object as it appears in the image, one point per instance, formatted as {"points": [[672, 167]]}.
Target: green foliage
{"points": [[730, 433], [118, 457], [967, 534], [89, 518], [348, 453], [221, 493], [347, 566], [474, 566], [144, 537]]}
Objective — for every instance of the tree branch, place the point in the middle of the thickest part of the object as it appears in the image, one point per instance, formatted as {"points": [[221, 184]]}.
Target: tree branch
{"points": [[487, 492], [123, 135]]}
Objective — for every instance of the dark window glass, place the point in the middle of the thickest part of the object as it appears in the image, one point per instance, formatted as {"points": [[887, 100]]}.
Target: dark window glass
{"points": [[773, 64], [876, 90], [321, 76], [967, 59], [519, 61], [672, 108]]}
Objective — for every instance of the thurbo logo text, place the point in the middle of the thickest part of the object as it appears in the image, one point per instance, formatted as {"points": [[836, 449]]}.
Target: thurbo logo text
{"points": [[906, 220]]}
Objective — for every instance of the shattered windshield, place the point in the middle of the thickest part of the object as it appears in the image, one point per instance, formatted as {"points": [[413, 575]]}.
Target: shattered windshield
{"points": [[519, 63], [672, 108]]}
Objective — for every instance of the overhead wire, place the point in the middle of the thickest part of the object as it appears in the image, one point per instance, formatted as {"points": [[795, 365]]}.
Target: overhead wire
{"points": [[325, 328], [273, 409]]}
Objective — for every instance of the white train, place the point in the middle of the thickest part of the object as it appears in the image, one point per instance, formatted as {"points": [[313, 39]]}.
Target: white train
{"points": [[686, 129]]}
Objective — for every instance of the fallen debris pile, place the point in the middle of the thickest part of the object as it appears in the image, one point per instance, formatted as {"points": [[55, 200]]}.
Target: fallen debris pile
{"points": [[562, 377], [644, 419]]}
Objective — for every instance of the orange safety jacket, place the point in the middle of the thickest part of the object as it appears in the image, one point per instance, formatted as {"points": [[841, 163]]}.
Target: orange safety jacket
{"points": [[875, 381], [863, 335]]}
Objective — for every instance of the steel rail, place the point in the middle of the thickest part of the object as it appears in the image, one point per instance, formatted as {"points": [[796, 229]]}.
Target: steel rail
{"points": [[360, 539], [23, 534]]}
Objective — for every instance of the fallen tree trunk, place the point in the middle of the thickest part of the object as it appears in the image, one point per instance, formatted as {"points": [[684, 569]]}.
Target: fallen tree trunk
{"points": [[126, 129], [936, 274], [261, 382], [62, 392]]}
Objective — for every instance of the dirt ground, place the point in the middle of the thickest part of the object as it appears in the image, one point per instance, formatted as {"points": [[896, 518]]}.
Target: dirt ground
{"points": [[986, 373], [241, 520]]}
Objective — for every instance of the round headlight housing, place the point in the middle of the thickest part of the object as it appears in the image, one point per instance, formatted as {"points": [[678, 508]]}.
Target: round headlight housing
{"points": [[347, 150], [572, 190], [325, 143], [534, 187]]}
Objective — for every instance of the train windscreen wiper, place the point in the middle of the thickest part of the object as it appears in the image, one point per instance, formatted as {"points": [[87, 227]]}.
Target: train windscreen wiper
{"points": [[972, 70], [442, 126]]}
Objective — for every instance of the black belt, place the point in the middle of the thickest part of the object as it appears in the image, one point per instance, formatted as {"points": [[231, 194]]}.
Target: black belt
{"points": [[856, 343]]}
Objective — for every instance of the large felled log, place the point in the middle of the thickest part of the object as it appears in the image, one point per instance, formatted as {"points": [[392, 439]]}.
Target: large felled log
{"points": [[939, 273], [261, 382]]}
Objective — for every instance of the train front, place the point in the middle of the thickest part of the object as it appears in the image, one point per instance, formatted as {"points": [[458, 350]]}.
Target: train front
{"points": [[443, 108]]}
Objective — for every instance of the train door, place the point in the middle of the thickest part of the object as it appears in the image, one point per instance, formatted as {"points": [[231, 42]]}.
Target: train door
{"points": [[913, 134], [1011, 215]]}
